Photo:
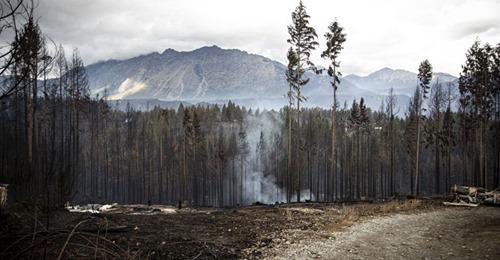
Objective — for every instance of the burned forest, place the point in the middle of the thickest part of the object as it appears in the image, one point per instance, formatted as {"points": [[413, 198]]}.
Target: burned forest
{"points": [[166, 155]]}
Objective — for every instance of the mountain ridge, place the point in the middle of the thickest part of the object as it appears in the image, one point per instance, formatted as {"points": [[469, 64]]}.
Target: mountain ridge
{"points": [[213, 73]]}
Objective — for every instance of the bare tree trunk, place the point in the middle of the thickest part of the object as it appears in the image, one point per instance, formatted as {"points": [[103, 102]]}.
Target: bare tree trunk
{"points": [[289, 146], [417, 155], [482, 154], [334, 114], [298, 154]]}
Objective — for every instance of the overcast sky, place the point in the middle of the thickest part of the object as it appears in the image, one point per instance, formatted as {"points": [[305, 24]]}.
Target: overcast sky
{"points": [[380, 33]]}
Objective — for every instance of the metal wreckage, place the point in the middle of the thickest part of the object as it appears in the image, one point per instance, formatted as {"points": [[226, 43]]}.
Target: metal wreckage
{"points": [[473, 196]]}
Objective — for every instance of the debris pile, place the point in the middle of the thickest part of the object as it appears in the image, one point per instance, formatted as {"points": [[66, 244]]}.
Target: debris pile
{"points": [[138, 209], [90, 208], [473, 196], [3, 195]]}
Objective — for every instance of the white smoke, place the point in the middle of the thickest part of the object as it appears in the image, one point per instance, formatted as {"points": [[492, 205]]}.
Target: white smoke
{"points": [[264, 189], [258, 186]]}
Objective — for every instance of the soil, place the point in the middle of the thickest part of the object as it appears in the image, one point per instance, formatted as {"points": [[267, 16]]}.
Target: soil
{"points": [[410, 229], [450, 233]]}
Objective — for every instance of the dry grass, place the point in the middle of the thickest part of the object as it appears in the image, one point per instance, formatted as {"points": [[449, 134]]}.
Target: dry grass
{"points": [[345, 216]]}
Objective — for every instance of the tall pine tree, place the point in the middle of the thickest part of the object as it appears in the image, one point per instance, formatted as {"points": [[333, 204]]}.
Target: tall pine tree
{"points": [[424, 78], [303, 40], [334, 40], [476, 96], [291, 77]]}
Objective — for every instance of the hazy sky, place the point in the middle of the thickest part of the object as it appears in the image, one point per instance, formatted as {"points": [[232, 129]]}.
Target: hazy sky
{"points": [[380, 33]]}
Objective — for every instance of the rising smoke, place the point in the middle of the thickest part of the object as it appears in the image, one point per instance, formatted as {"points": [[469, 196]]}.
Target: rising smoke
{"points": [[259, 184]]}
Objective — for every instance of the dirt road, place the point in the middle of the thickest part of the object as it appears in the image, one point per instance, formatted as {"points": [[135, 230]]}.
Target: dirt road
{"points": [[446, 233]]}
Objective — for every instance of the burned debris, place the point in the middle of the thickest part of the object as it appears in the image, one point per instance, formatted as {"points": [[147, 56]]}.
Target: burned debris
{"points": [[473, 196]]}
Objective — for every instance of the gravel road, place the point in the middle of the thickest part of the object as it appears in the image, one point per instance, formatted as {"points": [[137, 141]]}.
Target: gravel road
{"points": [[446, 233]]}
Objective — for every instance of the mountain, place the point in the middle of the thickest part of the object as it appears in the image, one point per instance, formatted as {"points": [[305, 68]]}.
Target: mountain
{"points": [[403, 82], [216, 75], [203, 74]]}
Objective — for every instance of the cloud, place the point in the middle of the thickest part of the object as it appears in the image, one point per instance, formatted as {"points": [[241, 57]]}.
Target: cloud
{"points": [[476, 29], [380, 33]]}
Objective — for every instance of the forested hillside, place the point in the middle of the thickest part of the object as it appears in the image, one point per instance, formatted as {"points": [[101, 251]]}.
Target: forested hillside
{"points": [[84, 150]]}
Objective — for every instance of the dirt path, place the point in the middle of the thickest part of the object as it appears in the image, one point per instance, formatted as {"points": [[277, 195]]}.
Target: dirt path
{"points": [[447, 233]]}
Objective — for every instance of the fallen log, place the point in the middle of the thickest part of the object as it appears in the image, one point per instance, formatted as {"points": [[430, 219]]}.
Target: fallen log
{"points": [[492, 197], [466, 190], [117, 229], [464, 204]]}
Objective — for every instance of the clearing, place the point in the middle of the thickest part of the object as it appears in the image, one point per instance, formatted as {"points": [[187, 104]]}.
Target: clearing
{"points": [[409, 229]]}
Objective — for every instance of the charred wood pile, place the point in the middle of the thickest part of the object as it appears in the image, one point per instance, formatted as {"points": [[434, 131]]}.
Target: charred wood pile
{"points": [[473, 196], [3, 195]]}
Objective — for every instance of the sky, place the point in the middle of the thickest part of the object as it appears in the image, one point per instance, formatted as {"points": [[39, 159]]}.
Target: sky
{"points": [[398, 34]]}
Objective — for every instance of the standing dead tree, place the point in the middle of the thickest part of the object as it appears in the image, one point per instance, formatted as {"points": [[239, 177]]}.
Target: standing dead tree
{"points": [[11, 11]]}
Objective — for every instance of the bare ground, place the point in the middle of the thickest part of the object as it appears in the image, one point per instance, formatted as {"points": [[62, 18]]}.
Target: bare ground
{"points": [[447, 233], [410, 229]]}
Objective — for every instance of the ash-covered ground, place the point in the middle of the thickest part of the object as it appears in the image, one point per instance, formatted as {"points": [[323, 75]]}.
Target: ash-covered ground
{"points": [[411, 229]]}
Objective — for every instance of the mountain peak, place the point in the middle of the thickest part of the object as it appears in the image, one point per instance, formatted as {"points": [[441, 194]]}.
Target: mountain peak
{"points": [[387, 70], [169, 50], [384, 69], [209, 48], [389, 74]]}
